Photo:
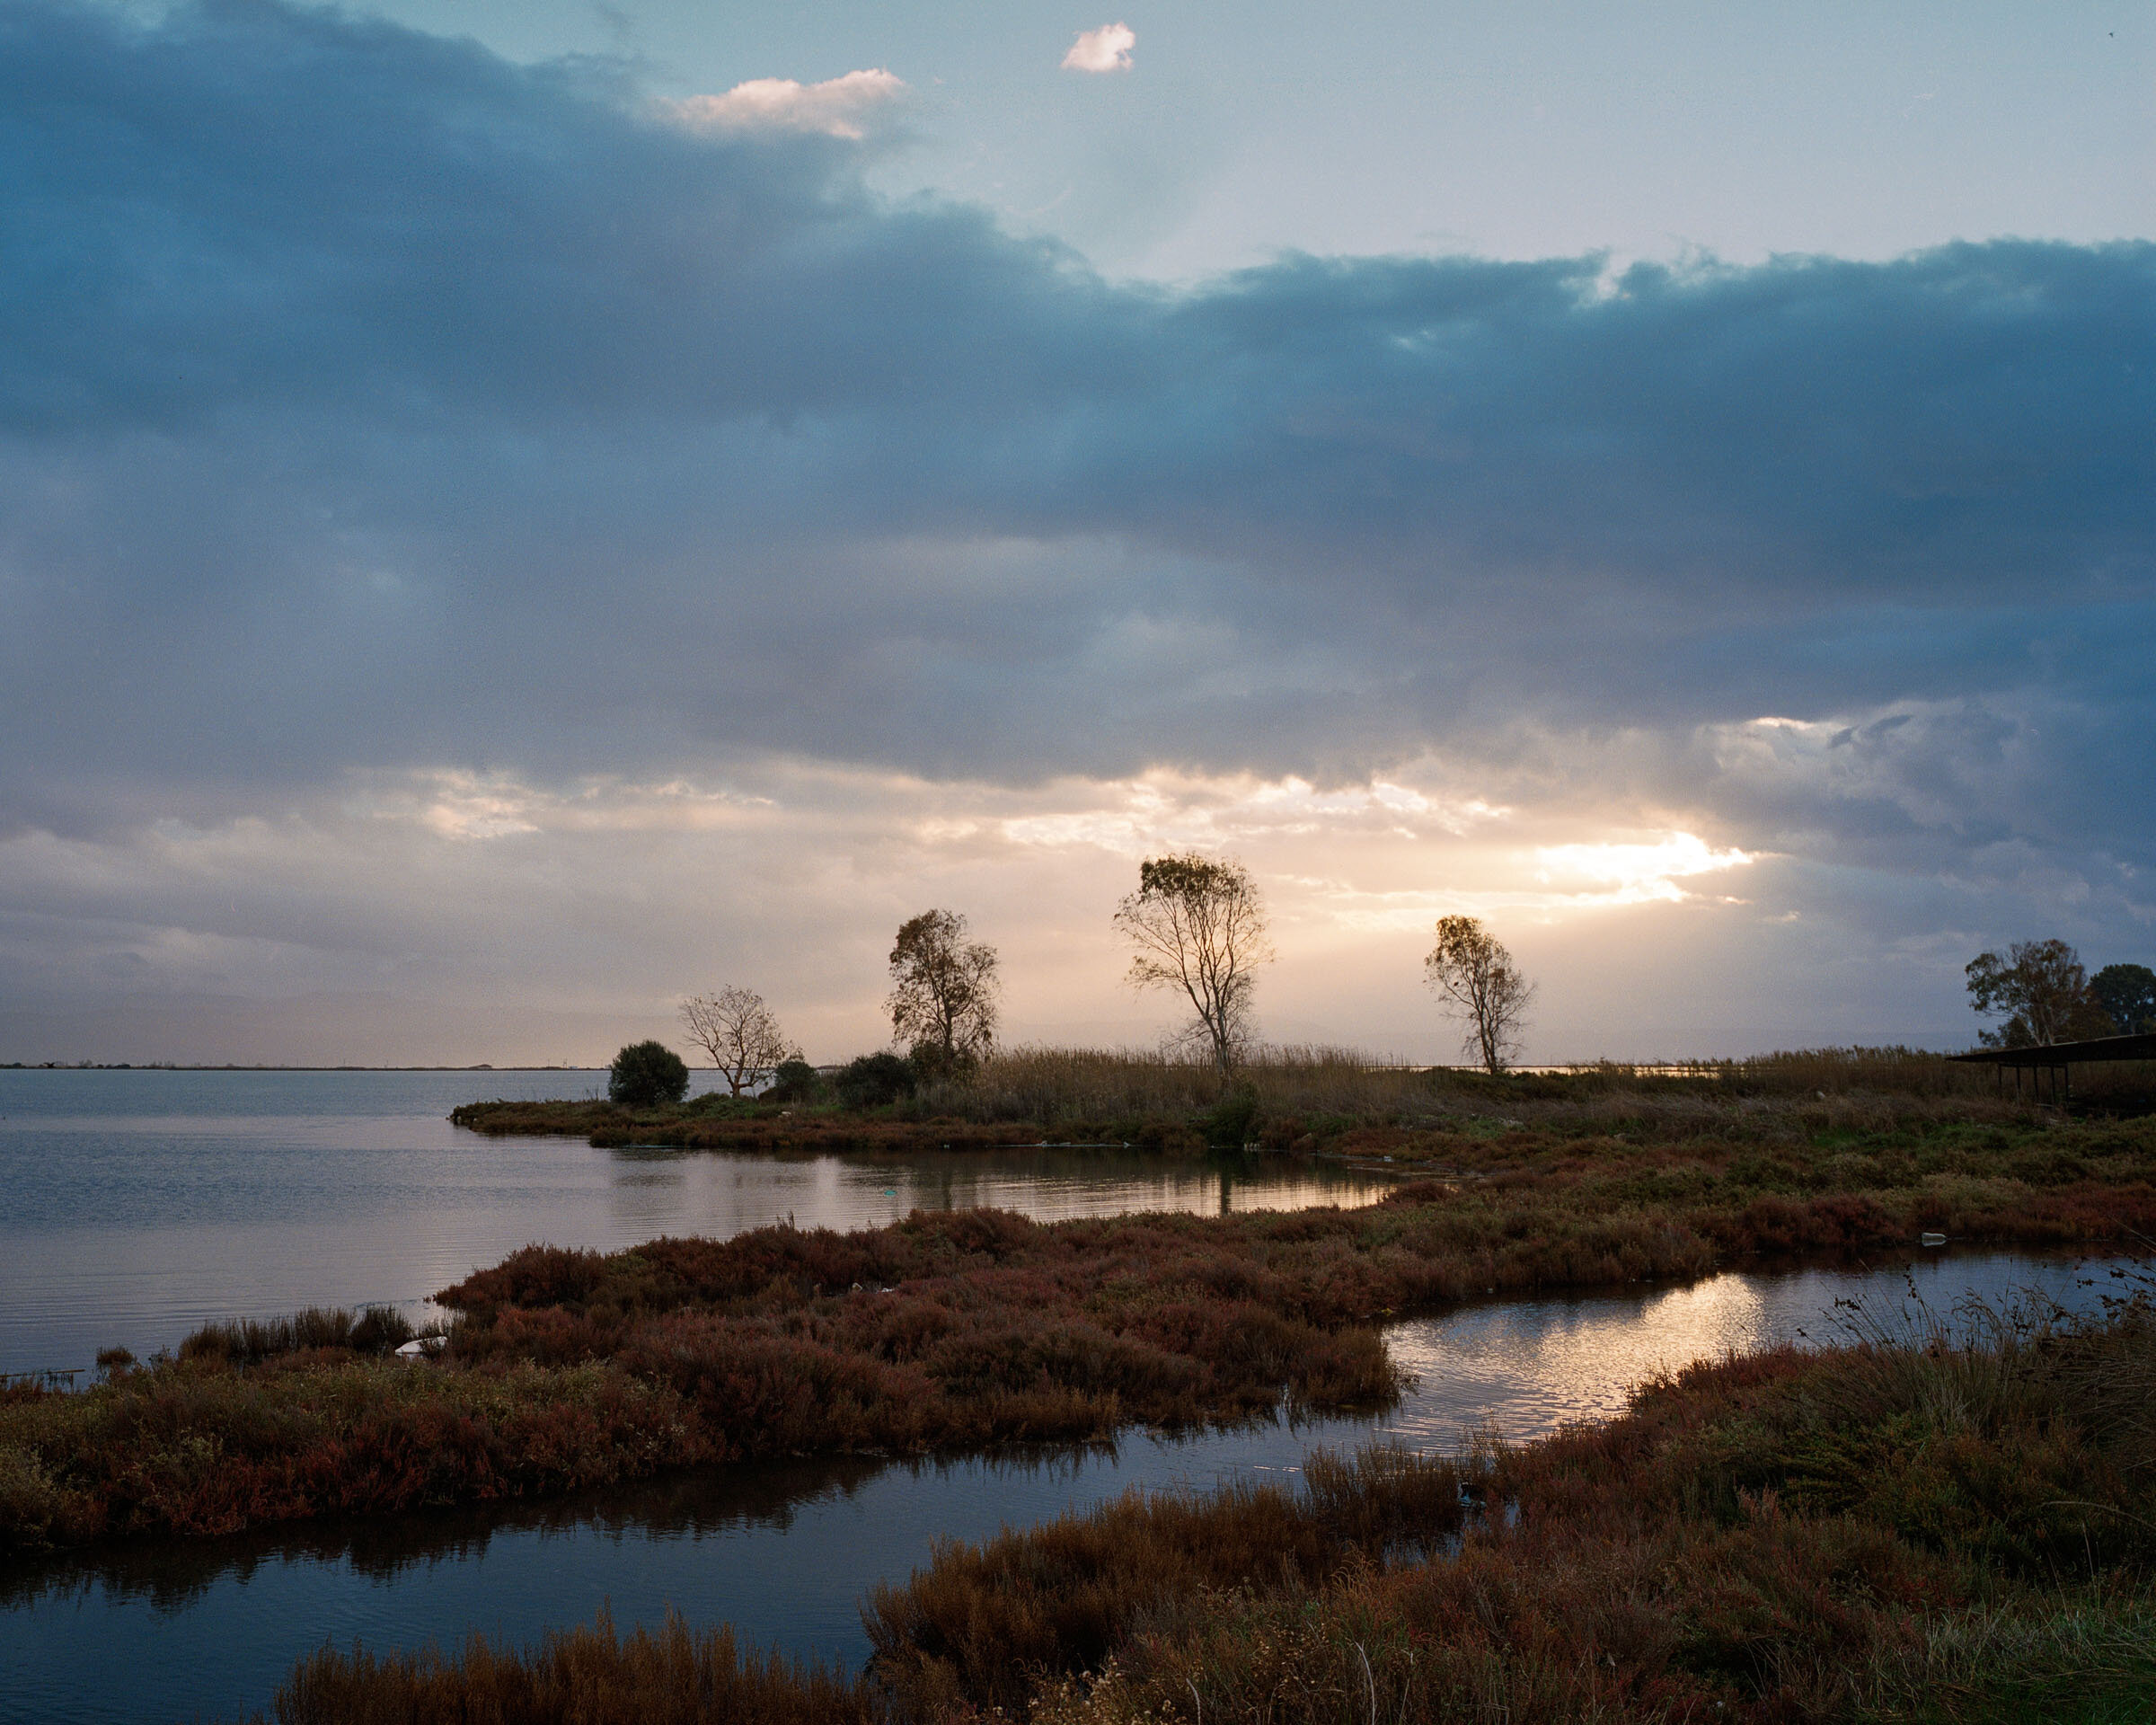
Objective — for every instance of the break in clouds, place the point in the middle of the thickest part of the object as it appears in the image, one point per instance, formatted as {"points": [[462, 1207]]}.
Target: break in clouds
{"points": [[378, 416]]}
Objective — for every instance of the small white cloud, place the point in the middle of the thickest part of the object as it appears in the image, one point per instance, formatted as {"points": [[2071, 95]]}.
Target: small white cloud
{"points": [[837, 107], [1105, 49]]}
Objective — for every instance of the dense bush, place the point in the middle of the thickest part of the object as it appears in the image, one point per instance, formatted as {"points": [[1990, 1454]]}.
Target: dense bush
{"points": [[933, 1064], [1232, 1123], [647, 1074], [794, 1082], [874, 1080]]}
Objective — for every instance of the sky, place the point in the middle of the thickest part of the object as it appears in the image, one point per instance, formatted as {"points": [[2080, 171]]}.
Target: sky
{"points": [[512, 514]]}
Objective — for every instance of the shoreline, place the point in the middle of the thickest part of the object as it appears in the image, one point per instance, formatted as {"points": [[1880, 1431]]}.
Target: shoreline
{"points": [[954, 1328]]}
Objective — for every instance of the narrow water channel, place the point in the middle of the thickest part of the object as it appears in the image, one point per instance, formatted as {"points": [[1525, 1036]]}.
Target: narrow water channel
{"points": [[181, 1629]]}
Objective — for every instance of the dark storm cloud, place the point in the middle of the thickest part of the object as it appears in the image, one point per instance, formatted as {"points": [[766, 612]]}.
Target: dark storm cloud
{"points": [[259, 206], [368, 399]]}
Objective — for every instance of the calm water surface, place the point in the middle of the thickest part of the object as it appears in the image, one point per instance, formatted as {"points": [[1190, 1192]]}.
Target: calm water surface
{"points": [[135, 1206], [208, 1628], [132, 1205]]}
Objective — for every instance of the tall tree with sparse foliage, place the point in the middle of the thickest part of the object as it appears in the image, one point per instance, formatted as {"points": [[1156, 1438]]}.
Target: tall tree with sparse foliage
{"points": [[740, 1033], [2042, 988], [943, 991], [1475, 978], [1199, 929]]}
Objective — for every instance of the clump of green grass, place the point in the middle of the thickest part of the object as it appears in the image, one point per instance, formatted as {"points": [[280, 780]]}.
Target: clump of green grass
{"points": [[248, 1341]]}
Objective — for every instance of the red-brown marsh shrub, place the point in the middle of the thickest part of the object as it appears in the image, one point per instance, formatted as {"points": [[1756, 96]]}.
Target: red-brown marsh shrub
{"points": [[1912, 1527], [958, 1329], [674, 1676]]}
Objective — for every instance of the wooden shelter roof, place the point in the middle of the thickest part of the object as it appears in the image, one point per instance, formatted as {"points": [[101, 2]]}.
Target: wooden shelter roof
{"points": [[2067, 1054]]}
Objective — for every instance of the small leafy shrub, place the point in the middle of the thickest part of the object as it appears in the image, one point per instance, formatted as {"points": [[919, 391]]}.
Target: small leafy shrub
{"points": [[874, 1080], [795, 1081], [645, 1074], [1233, 1121]]}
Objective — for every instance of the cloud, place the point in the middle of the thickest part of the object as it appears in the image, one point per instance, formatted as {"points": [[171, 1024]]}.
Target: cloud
{"points": [[838, 107], [1636, 872], [426, 887], [1105, 49], [374, 406]]}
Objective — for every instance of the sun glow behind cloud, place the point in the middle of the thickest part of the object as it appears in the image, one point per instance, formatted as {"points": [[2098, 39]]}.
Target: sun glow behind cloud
{"points": [[1635, 873], [1358, 856], [432, 880], [1587, 879]]}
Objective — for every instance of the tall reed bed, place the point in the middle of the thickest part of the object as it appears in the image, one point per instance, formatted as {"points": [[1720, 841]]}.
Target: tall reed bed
{"points": [[1306, 1097], [1100, 1085], [1282, 1093]]}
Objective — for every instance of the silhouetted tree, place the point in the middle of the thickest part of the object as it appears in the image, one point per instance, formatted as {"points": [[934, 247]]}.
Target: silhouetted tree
{"points": [[2128, 994], [645, 1074], [1476, 979], [740, 1033], [2042, 988], [944, 989], [1200, 927]]}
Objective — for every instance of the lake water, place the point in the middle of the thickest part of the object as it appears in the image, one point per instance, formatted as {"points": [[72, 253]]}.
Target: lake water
{"points": [[187, 1629], [136, 1206]]}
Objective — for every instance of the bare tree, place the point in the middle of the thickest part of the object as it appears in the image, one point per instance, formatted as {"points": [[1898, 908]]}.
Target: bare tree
{"points": [[1476, 979], [740, 1033], [943, 990], [1200, 927], [2041, 987]]}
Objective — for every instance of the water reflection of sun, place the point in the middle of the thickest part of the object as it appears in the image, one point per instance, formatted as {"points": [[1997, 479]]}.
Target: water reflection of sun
{"points": [[1527, 1367]]}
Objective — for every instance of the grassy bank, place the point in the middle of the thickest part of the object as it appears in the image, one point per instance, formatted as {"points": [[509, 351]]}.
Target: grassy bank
{"points": [[1905, 1529], [1329, 1101], [963, 1329]]}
